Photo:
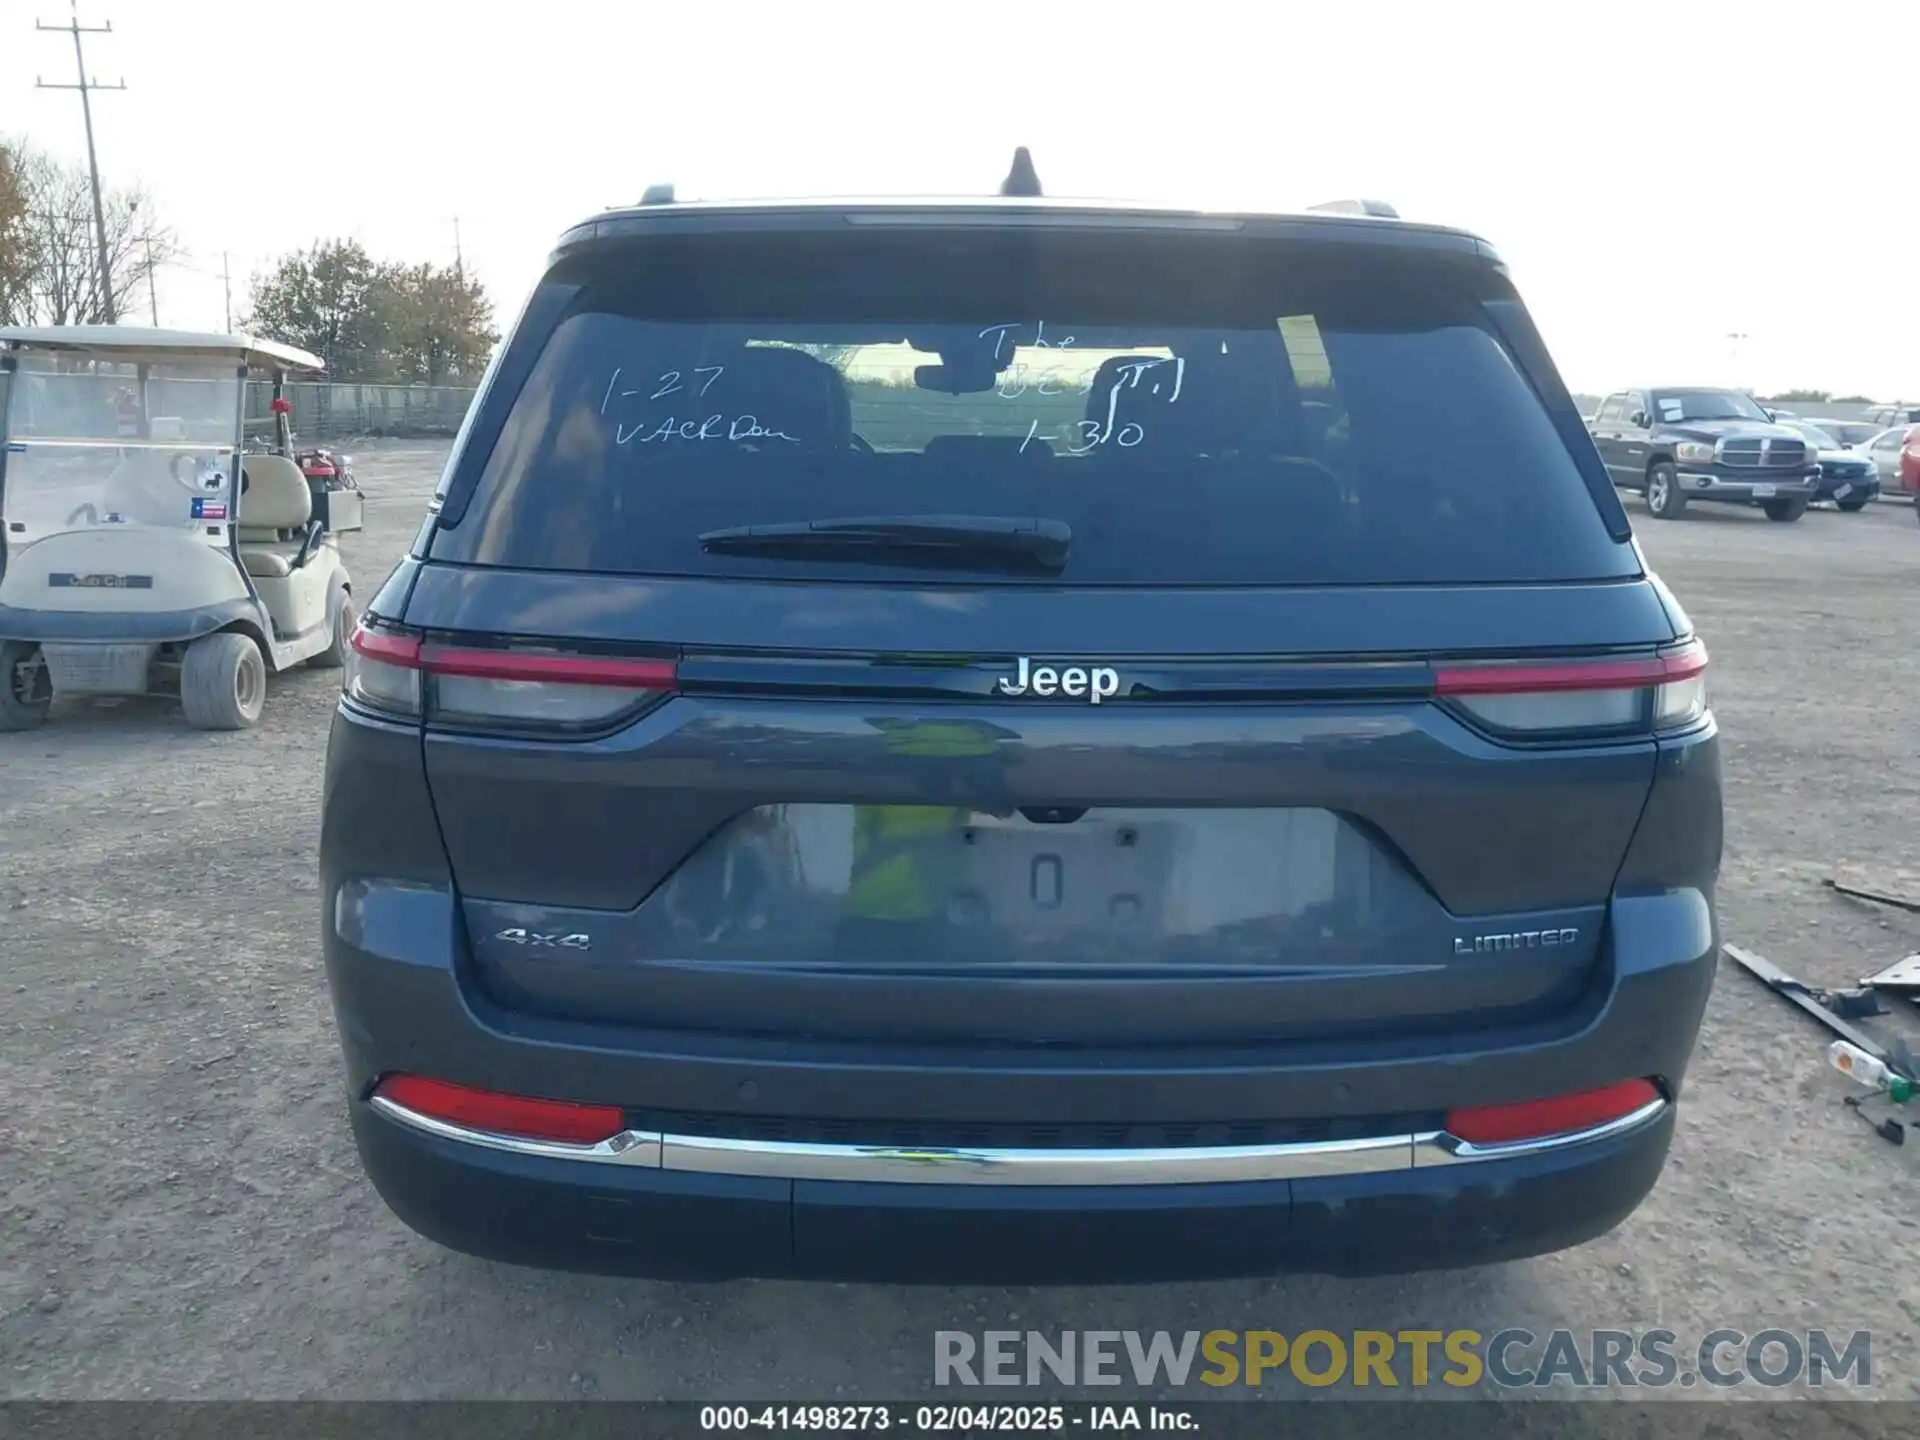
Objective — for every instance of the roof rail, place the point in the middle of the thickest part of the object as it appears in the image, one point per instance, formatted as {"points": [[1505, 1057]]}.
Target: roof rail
{"points": [[658, 195], [1377, 208]]}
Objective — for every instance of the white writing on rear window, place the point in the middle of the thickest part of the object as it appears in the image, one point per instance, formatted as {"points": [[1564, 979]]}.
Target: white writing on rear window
{"points": [[694, 385]]}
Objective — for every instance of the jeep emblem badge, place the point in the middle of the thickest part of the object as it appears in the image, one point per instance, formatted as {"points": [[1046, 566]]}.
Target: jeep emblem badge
{"points": [[1092, 683]]}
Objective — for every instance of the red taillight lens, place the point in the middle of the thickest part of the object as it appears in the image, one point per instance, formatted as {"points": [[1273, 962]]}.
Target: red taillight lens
{"points": [[1661, 691], [519, 689], [503, 1114], [383, 672], [1561, 1115]]}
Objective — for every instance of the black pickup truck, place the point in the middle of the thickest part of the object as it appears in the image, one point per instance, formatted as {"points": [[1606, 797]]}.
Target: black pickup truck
{"points": [[1678, 446]]}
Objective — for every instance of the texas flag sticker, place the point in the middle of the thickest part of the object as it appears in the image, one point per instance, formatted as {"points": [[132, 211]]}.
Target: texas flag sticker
{"points": [[209, 509]]}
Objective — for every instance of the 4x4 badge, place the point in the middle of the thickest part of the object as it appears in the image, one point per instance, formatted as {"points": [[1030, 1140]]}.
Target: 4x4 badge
{"points": [[1092, 683], [556, 940]]}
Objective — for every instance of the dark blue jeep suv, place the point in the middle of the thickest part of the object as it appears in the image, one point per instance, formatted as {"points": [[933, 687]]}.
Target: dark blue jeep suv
{"points": [[1014, 740]]}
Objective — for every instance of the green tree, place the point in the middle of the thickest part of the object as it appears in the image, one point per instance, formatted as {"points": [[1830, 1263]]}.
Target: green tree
{"points": [[16, 248], [1804, 397], [437, 324], [325, 299], [374, 321]]}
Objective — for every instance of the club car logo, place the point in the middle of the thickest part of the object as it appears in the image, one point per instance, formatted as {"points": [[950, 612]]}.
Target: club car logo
{"points": [[1092, 683], [61, 581]]}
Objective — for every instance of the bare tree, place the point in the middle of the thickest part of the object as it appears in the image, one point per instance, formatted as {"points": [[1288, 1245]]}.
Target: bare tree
{"points": [[62, 260]]}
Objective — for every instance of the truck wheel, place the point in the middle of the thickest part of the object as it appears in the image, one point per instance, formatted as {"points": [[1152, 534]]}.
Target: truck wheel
{"points": [[345, 617], [223, 684], [26, 689], [1785, 511], [1664, 498]]}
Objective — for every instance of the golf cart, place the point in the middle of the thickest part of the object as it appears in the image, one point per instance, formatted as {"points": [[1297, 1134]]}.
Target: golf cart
{"points": [[132, 560]]}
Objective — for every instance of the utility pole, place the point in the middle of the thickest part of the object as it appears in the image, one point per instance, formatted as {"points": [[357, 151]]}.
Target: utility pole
{"points": [[86, 86], [226, 289], [153, 295], [459, 266]]}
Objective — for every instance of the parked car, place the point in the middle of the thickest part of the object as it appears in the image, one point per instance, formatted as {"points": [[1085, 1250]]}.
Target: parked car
{"points": [[1850, 433], [1847, 477], [1058, 814], [1891, 415], [1680, 445], [1896, 457]]}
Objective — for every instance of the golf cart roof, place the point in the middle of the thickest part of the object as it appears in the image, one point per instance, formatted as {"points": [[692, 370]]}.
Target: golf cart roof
{"points": [[132, 340]]}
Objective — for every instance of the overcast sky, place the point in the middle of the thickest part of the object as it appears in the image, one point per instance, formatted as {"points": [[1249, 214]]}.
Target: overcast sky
{"points": [[1660, 176]]}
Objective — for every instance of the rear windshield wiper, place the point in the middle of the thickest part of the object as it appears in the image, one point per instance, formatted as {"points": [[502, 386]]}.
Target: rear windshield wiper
{"points": [[1016, 537]]}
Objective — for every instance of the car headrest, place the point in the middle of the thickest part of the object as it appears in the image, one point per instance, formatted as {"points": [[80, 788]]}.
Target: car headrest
{"points": [[1245, 404], [274, 494], [790, 392]]}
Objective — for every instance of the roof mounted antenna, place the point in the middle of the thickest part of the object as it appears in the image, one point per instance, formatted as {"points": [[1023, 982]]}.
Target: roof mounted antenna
{"points": [[658, 195], [1022, 179]]}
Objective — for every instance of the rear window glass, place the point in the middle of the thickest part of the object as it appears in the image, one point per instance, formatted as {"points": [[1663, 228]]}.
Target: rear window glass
{"points": [[1197, 408]]}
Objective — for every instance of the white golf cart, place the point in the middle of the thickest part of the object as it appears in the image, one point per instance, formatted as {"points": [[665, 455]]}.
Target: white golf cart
{"points": [[132, 560]]}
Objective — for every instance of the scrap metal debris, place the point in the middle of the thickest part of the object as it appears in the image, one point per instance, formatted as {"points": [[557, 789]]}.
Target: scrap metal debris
{"points": [[1891, 1070], [1876, 891]]}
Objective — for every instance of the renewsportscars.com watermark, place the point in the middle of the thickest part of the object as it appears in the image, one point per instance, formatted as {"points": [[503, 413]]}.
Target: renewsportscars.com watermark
{"points": [[1509, 1359]]}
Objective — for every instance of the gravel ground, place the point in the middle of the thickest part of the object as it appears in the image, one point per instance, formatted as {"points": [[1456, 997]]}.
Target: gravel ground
{"points": [[181, 1213]]}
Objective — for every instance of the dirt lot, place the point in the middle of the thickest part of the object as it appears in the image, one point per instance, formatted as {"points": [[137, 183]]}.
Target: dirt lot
{"points": [[181, 1213]]}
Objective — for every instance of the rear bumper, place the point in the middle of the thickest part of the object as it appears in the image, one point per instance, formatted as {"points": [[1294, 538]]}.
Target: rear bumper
{"points": [[642, 1220], [402, 1005]]}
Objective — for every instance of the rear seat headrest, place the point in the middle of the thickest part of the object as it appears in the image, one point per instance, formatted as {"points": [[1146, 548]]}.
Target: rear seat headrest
{"points": [[788, 391], [1242, 403]]}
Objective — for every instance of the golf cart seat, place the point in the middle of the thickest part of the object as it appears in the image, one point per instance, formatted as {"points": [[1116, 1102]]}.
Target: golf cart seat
{"points": [[274, 511]]}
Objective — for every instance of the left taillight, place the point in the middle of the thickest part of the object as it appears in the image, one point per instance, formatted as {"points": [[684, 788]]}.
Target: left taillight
{"points": [[1667, 691], [501, 1114], [512, 689]]}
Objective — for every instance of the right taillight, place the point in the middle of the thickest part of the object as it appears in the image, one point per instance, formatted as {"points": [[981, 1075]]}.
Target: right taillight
{"points": [[1661, 692], [506, 689]]}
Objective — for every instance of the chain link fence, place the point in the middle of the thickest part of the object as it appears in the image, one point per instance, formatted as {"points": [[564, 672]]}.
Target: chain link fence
{"points": [[329, 411]]}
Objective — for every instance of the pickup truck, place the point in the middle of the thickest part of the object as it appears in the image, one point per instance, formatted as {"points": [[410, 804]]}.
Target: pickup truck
{"points": [[1682, 445]]}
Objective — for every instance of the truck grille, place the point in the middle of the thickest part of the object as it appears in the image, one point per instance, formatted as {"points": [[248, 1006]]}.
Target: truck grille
{"points": [[1763, 454]]}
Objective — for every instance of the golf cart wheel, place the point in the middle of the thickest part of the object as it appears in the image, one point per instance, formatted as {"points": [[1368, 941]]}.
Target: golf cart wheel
{"points": [[223, 684], [345, 618], [26, 689], [1664, 498], [1851, 507], [1785, 511]]}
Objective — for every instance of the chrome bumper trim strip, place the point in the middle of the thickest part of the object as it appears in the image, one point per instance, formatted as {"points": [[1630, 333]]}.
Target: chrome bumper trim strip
{"points": [[1185, 1165]]}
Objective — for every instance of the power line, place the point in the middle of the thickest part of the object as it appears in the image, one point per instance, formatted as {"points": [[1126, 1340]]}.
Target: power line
{"points": [[86, 87]]}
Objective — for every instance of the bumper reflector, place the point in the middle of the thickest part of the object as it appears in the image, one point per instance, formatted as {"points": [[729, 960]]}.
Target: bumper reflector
{"points": [[1538, 1119], [488, 1110]]}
